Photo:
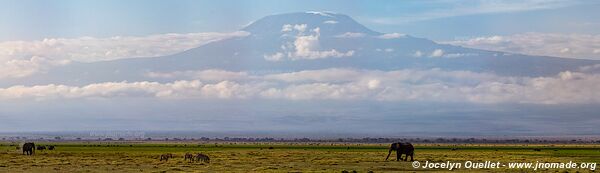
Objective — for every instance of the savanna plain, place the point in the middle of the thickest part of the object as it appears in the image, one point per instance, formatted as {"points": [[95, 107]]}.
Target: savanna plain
{"points": [[134, 156]]}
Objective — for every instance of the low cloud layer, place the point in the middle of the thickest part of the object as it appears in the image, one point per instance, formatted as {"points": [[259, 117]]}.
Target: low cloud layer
{"points": [[24, 58], [548, 44], [340, 84], [16, 68]]}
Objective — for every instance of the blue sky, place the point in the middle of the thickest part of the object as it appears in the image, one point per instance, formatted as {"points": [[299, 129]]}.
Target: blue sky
{"points": [[32, 20]]}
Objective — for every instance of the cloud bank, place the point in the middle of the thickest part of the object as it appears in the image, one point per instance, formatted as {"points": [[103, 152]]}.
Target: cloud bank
{"points": [[340, 84], [547, 44], [24, 58]]}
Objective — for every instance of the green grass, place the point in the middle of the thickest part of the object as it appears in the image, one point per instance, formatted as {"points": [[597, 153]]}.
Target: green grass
{"points": [[284, 157]]}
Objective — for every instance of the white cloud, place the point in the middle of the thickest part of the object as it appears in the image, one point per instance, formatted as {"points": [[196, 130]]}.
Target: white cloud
{"points": [[204, 75], [437, 53], [307, 47], [24, 58], [373, 84], [17, 68], [391, 36], [418, 53], [545, 44], [433, 85], [331, 22], [298, 27], [177, 89], [287, 28], [304, 46], [90, 49], [351, 35], [274, 57], [325, 75]]}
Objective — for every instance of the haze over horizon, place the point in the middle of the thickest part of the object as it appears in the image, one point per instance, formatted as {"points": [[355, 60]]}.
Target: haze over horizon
{"points": [[437, 68]]}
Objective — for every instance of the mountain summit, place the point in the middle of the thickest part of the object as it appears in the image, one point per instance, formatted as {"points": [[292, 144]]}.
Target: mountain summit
{"points": [[308, 41], [328, 22]]}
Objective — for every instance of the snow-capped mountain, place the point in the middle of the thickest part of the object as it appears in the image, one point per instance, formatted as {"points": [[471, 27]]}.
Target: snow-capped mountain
{"points": [[308, 41]]}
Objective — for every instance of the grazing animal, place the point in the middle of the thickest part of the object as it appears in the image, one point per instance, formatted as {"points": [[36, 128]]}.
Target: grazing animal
{"points": [[402, 148], [166, 157], [29, 148], [202, 157], [189, 157], [51, 147], [41, 147]]}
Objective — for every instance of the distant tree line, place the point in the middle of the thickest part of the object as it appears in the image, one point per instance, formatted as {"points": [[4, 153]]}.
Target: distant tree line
{"points": [[539, 140]]}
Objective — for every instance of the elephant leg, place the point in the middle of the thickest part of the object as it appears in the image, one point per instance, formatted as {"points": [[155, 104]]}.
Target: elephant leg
{"points": [[398, 155], [388, 156], [411, 157]]}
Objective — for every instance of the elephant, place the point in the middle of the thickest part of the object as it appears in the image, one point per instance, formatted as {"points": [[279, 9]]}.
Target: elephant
{"points": [[51, 147], [29, 148], [402, 148]]}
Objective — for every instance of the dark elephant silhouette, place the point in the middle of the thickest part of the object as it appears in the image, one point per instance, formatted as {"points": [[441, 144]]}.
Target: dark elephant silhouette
{"points": [[28, 148], [402, 148], [41, 147]]}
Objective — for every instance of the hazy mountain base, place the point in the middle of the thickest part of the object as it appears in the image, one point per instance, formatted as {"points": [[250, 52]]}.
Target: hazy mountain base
{"points": [[284, 157], [298, 119]]}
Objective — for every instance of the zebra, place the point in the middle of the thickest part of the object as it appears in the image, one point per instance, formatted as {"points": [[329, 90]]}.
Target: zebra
{"points": [[189, 157], [202, 157], [166, 157]]}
